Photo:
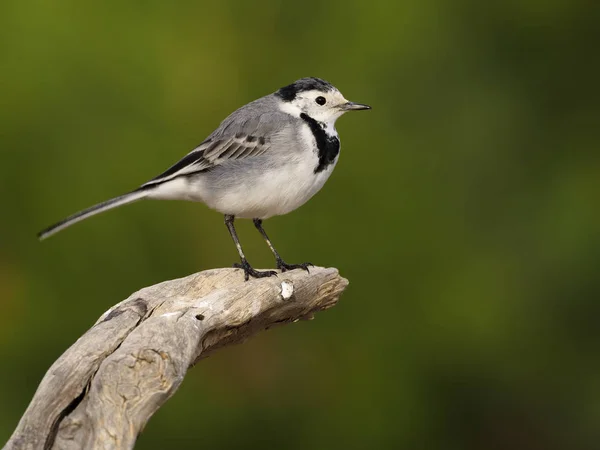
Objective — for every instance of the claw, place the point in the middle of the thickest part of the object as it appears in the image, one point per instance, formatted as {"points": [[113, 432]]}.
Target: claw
{"points": [[284, 267], [250, 272]]}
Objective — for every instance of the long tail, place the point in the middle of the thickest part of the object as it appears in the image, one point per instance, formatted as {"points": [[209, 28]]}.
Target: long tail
{"points": [[93, 210]]}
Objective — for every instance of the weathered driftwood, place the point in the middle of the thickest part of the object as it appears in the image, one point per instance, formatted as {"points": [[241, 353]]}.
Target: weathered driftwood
{"points": [[101, 392]]}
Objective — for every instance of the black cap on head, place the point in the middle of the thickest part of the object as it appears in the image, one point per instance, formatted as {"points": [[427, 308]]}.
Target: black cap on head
{"points": [[289, 92]]}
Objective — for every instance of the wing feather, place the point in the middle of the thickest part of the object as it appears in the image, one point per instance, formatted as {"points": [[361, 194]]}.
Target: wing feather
{"points": [[244, 134], [210, 154]]}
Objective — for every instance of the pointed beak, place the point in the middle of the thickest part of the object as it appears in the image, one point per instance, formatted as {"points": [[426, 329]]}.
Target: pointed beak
{"points": [[351, 106]]}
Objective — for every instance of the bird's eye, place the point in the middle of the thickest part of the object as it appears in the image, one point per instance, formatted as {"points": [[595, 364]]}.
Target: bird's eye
{"points": [[320, 100]]}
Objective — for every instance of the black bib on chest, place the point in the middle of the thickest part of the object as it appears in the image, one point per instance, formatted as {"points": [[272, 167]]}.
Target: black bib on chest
{"points": [[328, 146]]}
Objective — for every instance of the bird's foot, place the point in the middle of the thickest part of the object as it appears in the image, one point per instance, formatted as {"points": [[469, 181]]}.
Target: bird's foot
{"points": [[250, 272], [284, 267]]}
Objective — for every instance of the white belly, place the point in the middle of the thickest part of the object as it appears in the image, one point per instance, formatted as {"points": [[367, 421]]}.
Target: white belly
{"points": [[273, 193], [251, 193]]}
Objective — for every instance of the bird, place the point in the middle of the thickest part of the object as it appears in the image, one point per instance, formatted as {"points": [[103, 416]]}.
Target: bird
{"points": [[267, 158]]}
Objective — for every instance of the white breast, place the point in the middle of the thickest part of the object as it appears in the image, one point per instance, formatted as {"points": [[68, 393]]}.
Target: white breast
{"points": [[281, 190]]}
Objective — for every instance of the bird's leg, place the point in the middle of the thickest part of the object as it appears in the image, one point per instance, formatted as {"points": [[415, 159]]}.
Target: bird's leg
{"points": [[248, 270], [281, 264]]}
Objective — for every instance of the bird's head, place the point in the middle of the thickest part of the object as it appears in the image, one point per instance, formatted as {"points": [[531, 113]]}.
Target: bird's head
{"points": [[316, 98]]}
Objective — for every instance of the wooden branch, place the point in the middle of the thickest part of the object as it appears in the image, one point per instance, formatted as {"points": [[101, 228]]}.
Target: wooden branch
{"points": [[101, 392]]}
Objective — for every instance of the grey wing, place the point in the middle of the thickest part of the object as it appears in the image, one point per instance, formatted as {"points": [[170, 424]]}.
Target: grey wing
{"points": [[236, 138], [211, 153]]}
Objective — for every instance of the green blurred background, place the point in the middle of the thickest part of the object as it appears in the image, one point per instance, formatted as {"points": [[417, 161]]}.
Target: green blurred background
{"points": [[464, 211]]}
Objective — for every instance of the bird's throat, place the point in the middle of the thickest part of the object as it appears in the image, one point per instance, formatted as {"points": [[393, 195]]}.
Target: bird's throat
{"points": [[328, 145]]}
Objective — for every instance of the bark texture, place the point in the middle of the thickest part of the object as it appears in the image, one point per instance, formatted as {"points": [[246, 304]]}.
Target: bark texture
{"points": [[101, 392]]}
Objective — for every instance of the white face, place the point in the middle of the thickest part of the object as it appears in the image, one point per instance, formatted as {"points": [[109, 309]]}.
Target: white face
{"points": [[322, 106]]}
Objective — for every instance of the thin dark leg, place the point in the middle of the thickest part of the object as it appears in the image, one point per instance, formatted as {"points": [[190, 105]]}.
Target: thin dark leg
{"points": [[281, 264], [248, 270]]}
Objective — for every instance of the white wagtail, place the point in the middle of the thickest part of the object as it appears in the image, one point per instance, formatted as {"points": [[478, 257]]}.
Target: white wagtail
{"points": [[266, 159]]}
